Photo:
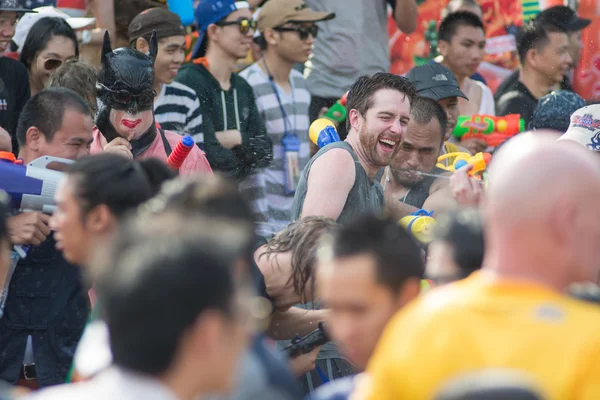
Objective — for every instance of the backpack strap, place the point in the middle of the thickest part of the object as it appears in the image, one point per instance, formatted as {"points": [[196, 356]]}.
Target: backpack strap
{"points": [[166, 143]]}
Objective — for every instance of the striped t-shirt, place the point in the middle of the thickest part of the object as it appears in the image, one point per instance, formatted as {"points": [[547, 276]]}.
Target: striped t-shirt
{"points": [[276, 205], [177, 109]]}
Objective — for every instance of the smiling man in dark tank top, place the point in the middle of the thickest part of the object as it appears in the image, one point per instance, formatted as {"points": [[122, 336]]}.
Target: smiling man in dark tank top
{"points": [[338, 182]]}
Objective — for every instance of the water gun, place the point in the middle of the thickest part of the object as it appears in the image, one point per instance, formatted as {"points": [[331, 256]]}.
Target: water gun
{"points": [[178, 156], [322, 132], [479, 161], [31, 187], [184, 10], [493, 130], [420, 225], [306, 344], [337, 112]]}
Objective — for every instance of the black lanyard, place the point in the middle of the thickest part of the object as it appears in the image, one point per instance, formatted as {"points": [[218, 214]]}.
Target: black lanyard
{"points": [[283, 113]]}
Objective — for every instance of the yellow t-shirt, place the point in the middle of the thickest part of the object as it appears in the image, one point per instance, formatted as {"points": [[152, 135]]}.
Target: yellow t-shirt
{"points": [[477, 324]]}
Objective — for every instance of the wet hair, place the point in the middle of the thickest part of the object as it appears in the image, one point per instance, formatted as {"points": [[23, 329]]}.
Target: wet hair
{"points": [[41, 33], [79, 77], [423, 110], [302, 239], [361, 93], [533, 35], [463, 232], [149, 308], [46, 109], [454, 5], [449, 25], [120, 184], [397, 256]]}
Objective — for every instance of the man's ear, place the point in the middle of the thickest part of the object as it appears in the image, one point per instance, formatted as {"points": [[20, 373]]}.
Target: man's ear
{"points": [[100, 220], [355, 117], [410, 291], [532, 57], [211, 31], [269, 36], [443, 47], [34, 138], [142, 45]]}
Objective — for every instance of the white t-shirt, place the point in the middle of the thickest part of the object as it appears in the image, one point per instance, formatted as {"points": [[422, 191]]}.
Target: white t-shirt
{"points": [[487, 106]]}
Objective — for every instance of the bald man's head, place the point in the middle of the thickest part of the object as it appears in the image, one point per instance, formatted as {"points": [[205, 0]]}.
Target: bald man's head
{"points": [[5, 141], [542, 196]]}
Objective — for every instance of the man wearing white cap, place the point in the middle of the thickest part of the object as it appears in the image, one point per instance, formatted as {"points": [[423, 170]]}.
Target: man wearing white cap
{"points": [[585, 128], [14, 81]]}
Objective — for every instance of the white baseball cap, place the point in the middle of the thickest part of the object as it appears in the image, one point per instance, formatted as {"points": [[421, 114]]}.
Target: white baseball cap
{"points": [[28, 20], [585, 127]]}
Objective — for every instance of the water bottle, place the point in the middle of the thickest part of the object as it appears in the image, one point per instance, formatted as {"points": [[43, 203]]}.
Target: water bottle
{"points": [[184, 9], [291, 162]]}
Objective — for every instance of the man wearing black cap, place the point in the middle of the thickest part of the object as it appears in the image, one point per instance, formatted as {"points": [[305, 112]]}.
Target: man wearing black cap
{"points": [[14, 80], [567, 20], [436, 82], [176, 106]]}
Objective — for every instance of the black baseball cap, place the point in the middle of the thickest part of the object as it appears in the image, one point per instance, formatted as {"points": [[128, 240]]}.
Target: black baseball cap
{"points": [[435, 82], [14, 5], [563, 18], [160, 20]]}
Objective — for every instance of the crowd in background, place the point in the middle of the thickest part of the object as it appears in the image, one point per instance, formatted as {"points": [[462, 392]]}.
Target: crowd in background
{"points": [[334, 230]]}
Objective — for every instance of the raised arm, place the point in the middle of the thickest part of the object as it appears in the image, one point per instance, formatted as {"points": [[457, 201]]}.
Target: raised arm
{"points": [[330, 180]]}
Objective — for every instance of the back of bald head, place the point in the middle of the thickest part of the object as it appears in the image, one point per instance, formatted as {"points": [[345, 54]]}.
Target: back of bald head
{"points": [[533, 175]]}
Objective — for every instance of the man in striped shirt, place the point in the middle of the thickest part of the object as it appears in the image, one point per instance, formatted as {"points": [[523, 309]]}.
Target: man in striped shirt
{"points": [[287, 35], [176, 106]]}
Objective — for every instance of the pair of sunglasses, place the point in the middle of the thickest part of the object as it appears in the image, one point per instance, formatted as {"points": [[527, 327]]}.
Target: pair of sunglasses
{"points": [[125, 98], [303, 31], [52, 63], [244, 24]]}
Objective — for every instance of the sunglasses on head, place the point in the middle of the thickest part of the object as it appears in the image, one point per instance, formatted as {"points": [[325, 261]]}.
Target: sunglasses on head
{"points": [[125, 98], [244, 24], [303, 31]]}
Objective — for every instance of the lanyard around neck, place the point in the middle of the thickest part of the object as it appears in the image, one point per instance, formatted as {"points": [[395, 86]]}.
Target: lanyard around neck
{"points": [[276, 91]]}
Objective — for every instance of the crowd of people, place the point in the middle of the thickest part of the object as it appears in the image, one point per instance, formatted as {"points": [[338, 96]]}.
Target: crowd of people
{"points": [[418, 256]]}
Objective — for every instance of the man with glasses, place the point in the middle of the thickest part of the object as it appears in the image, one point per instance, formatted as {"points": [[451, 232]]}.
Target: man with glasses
{"points": [[288, 31], [235, 138], [14, 80], [125, 119]]}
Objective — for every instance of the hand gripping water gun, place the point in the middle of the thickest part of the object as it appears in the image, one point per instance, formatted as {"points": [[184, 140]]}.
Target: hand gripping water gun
{"points": [[337, 112], [479, 161], [306, 344], [322, 132], [493, 130], [178, 156], [30, 188], [420, 225]]}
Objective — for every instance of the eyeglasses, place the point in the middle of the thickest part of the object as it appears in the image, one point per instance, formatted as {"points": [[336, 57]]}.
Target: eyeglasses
{"points": [[303, 31], [125, 98], [52, 63], [244, 24]]}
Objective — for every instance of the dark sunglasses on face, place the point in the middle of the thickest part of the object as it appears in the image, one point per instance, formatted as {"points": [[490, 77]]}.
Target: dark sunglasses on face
{"points": [[125, 98], [303, 31], [52, 63], [244, 24]]}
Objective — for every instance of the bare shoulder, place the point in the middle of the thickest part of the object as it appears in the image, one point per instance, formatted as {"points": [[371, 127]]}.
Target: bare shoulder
{"points": [[336, 165], [334, 158]]}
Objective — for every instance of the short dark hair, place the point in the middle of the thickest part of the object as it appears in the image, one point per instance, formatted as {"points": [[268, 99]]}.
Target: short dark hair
{"points": [[41, 33], [463, 231], [116, 182], [533, 35], [148, 307], [361, 93], [423, 110], [79, 77], [397, 256], [453, 21], [46, 109]]}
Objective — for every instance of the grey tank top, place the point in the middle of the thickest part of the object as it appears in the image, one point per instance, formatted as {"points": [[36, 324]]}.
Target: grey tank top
{"points": [[365, 197]]}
